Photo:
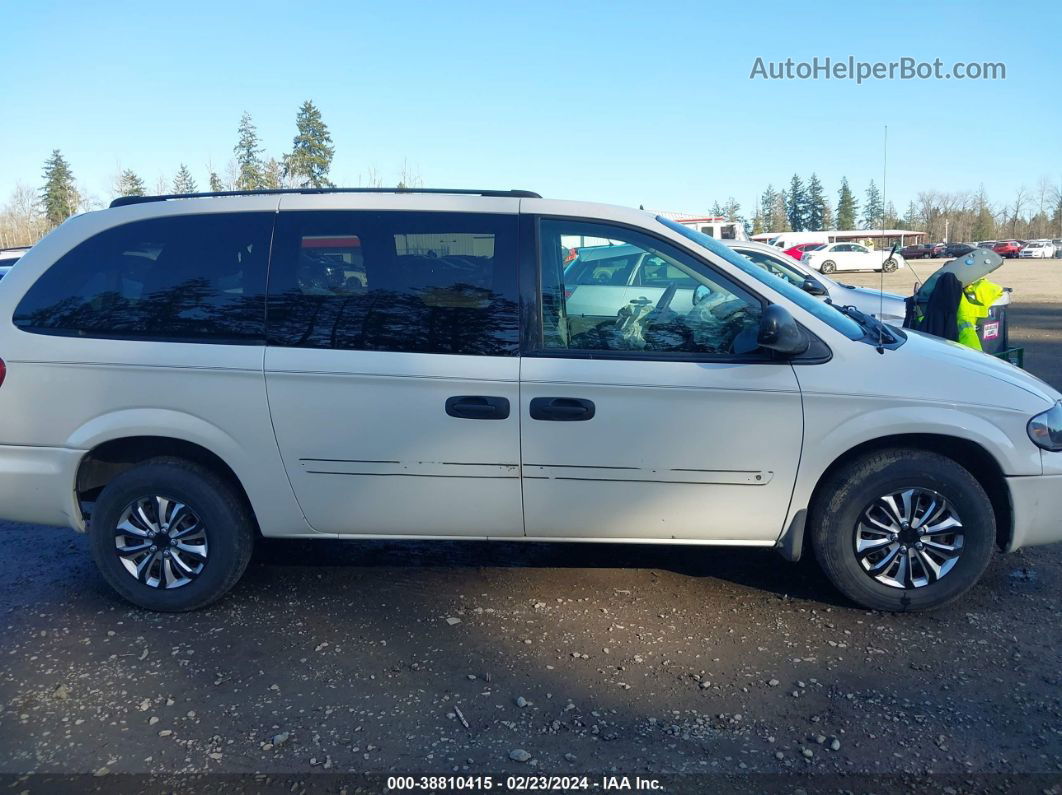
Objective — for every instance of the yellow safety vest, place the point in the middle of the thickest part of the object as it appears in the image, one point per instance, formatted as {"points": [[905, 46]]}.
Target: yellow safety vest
{"points": [[977, 299]]}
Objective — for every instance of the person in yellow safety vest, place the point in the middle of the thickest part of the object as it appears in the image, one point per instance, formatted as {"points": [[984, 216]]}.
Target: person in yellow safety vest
{"points": [[977, 299]]}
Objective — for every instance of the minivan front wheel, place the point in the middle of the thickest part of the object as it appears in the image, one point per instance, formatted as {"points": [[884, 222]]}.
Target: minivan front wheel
{"points": [[169, 535], [889, 265], [902, 530], [829, 266]]}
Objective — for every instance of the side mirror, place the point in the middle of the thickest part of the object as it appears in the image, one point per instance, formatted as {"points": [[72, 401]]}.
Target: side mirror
{"points": [[812, 287], [779, 332], [700, 292]]}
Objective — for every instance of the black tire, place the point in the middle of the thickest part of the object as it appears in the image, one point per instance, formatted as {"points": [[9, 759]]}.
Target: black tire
{"points": [[828, 267], [889, 265], [224, 516], [842, 498]]}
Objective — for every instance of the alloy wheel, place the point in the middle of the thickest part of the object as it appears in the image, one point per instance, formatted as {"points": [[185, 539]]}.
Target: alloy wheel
{"points": [[161, 542], [909, 538]]}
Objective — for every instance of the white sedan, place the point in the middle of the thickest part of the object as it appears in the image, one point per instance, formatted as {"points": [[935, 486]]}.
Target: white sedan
{"points": [[1039, 249], [851, 257]]}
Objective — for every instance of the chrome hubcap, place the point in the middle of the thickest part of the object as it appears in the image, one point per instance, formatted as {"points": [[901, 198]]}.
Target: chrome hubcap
{"points": [[909, 538], [161, 542]]}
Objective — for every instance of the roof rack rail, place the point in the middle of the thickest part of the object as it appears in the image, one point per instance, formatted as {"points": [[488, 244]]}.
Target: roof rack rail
{"points": [[122, 201]]}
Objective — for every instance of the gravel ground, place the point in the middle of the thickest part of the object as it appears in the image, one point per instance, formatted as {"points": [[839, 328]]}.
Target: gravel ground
{"points": [[456, 657]]}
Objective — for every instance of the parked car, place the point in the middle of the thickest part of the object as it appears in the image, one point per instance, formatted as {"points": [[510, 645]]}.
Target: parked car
{"points": [[1057, 243], [888, 307], [399, 376], [954, 250], [1037, 249], [917, 251], [1008, 248], [851, 257], [797, 252], [8, 257], [986, 244]]}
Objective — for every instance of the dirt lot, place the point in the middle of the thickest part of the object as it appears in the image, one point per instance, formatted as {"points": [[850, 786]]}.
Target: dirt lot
{"points": [[445, 658]]}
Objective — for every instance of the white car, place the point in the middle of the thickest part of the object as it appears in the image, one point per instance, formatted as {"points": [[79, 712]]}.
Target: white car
{"points": [[835, 257], [1037, 249], [8, 258], [410, 371], [888, 307]]}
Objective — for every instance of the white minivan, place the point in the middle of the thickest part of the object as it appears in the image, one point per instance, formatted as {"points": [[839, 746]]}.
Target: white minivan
{"points": [[181, 376]]}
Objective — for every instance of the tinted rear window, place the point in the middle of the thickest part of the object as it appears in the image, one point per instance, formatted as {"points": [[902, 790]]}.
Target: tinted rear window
{"points": [[408, 282], [198, 278]]}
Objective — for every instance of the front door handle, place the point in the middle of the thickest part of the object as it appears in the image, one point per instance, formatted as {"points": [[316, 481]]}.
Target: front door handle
{"points": [[562, 409], [478, 407]]}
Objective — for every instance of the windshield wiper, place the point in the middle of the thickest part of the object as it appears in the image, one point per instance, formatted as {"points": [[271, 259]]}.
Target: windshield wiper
{"points": [[875, 328]]}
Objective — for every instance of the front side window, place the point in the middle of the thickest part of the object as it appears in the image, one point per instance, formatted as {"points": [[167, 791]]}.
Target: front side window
{"points": [[403, 282], [196, 278], [673, 305]]}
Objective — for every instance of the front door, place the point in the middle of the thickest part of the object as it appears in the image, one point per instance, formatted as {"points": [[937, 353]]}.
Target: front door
{"points": [[666, 424], [392, 370]]}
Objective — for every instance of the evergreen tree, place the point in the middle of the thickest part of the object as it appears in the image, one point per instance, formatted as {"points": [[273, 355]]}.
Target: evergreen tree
{"points": [[872, 207], [272, 174], [216, 184], [311, 150], [59, 195], [911, 219], [796, 204], [183, 181], [847, 206], [717, 210], [984, 225], [818, 206], [732, 209], [129, 184], [757, 223], [248, 155], [779, 215], [767, 209], [892, 220]]}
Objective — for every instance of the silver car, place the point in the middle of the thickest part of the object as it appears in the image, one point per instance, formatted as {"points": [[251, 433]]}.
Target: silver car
{"points": [[888, 307]]}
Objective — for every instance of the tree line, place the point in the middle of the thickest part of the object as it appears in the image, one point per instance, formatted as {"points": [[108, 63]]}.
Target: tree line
{"points": [[29, 215], [802, 205], [960, 216]]}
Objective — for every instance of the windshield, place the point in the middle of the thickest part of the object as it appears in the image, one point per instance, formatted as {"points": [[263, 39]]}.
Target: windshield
{"points": [[823, 311]]}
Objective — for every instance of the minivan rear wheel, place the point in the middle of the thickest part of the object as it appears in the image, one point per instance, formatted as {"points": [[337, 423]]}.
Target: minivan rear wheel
{"points": [[169, 535], [902, 529], [889, 265]]}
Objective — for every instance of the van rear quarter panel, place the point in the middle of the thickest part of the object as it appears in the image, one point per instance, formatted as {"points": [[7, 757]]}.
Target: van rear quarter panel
{"points": [[75, 393]]}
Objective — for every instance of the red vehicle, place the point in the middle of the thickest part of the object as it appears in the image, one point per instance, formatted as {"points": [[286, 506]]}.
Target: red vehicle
{"points": [[797, 251], [1008, 248]]}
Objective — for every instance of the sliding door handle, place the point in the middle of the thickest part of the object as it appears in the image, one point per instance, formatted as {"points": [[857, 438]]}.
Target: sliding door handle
{"points": [[562, 409], [478, 407]]}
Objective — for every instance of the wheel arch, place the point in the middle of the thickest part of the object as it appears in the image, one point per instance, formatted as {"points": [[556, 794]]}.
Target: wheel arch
{"points": [[106, 460], [972, 456]]}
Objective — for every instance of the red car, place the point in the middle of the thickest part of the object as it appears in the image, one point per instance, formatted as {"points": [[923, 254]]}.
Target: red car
{"points": [[797, 251], [1008, 248]]}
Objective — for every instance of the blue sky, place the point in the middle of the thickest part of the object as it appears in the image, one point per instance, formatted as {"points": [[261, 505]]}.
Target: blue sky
{"points": [[625, 102]]}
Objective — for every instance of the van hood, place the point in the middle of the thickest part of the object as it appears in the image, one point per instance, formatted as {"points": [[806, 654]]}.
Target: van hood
{"points": [[947, 352]]}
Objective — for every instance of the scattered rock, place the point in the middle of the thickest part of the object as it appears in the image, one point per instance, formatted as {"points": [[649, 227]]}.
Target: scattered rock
{"points": [[280, 739], [521, 702], [773, 683], [453, 621], [520, 755], [835, 744]]}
